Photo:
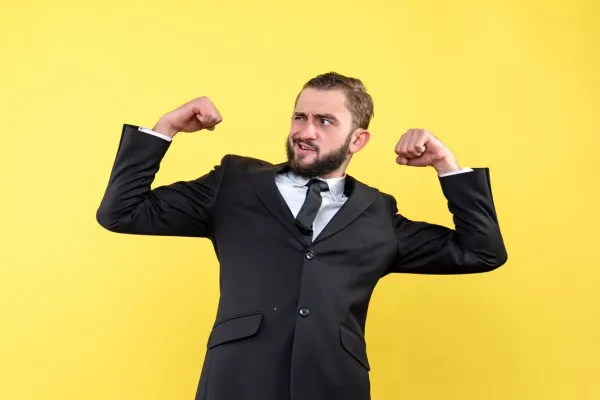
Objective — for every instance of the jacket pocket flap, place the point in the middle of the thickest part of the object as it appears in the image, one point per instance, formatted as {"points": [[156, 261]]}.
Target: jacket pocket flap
{"points": [[235, 328], [354, 345]]}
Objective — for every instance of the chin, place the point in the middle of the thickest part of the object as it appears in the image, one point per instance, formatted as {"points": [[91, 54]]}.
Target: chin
{"points": [[304, 158]]}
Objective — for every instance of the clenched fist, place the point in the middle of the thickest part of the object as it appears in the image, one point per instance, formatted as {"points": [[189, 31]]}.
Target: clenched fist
{"points": [[193, 116], [419, 148]]}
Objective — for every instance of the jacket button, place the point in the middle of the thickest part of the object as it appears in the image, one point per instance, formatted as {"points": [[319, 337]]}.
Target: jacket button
{"points": [[309, 254], [304, 312]]}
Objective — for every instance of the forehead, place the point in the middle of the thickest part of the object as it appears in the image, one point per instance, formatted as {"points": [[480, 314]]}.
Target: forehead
{"points": [[313, 101]]}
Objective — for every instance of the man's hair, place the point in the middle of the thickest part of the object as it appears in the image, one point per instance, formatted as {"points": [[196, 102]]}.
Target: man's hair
{"points": [[358, 101]]}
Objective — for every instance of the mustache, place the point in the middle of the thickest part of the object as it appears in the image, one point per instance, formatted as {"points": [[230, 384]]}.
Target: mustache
{"points": [[307, 144]]}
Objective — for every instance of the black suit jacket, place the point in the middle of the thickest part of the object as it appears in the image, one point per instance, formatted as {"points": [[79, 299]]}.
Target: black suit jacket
{"points": [[291, 317]]}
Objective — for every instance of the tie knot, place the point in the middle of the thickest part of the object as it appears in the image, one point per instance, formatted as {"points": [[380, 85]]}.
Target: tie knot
{"points": [[323, 186]]}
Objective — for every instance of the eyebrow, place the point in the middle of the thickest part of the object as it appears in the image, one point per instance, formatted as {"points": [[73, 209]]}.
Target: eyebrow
{"points": [[325, 116]]}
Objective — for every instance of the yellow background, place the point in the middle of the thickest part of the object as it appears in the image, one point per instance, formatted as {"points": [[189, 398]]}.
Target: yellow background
{"points": [[87, 314]]}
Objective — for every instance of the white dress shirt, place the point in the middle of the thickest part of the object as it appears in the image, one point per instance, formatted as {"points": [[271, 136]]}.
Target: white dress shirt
{"points": [[292, 188]]}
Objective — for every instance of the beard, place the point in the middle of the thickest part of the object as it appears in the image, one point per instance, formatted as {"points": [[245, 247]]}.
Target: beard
{"points": [[322, 165]]}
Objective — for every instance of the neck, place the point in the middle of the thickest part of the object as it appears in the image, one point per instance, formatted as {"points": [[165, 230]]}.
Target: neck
{"points": [[340, 173]]}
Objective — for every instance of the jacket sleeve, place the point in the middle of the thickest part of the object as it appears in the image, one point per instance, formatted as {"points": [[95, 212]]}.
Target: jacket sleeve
{"points": [[474, 246], [129, 205]]}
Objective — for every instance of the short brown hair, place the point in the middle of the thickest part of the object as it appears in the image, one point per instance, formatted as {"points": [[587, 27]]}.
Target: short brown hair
{"points": [[359, 102]]}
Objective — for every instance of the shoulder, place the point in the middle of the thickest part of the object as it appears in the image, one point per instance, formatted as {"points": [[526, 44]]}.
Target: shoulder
{"points": [[364, 186], [235, 167], [381, 198], [238, 162]]}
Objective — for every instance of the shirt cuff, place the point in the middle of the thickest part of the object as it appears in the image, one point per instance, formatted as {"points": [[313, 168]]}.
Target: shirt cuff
{"points": [[151, 132], [460, 171]]}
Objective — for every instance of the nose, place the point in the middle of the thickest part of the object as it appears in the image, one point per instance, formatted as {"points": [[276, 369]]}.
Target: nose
{"points": [[307, 132]]}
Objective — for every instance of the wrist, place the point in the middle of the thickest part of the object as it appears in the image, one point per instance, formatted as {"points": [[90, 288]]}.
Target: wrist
{"points": [[164, 127], [445, 165]]}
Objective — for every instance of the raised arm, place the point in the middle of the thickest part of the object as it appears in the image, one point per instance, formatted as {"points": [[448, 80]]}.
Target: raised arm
{"points": [[129, 205], [475, 245]]}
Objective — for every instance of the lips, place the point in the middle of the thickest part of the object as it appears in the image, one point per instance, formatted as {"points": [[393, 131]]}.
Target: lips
{"points": [[304, 147]]}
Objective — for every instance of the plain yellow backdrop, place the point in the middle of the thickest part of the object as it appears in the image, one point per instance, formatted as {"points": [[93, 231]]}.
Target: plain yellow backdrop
{"points": [[509, 85]]}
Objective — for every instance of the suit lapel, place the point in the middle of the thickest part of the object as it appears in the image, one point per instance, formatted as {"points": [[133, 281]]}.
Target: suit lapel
{"points": [[263, 182], [360, 197]]}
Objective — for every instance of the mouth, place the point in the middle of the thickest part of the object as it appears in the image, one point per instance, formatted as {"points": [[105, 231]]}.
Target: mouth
{"points": [[303, 148]]}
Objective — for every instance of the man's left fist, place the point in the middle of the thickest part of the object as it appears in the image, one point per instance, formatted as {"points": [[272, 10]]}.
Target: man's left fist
{"points": [[419, 148]]}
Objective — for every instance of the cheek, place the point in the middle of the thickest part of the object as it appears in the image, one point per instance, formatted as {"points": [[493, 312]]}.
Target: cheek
{"points": [[291, 136], [330, 141], [295, 127]]}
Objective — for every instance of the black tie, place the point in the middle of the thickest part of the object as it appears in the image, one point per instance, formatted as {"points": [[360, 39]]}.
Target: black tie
{"points": [[311, 205]]}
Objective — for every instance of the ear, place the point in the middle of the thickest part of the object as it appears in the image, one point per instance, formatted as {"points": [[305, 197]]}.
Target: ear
{"points": [[360, 138]]}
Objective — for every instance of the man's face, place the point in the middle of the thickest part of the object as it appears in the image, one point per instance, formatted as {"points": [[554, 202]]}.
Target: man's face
{"points": [[320, 135]]}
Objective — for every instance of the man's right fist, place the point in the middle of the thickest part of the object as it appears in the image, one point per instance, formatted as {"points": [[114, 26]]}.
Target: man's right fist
{"points": [[193, 116]]}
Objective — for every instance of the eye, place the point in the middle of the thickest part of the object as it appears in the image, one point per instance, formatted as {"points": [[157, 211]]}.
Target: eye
{"points": [[324, 121]]}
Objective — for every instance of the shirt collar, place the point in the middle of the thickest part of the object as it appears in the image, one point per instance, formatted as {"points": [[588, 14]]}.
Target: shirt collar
{"points": [[336, 185]]}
